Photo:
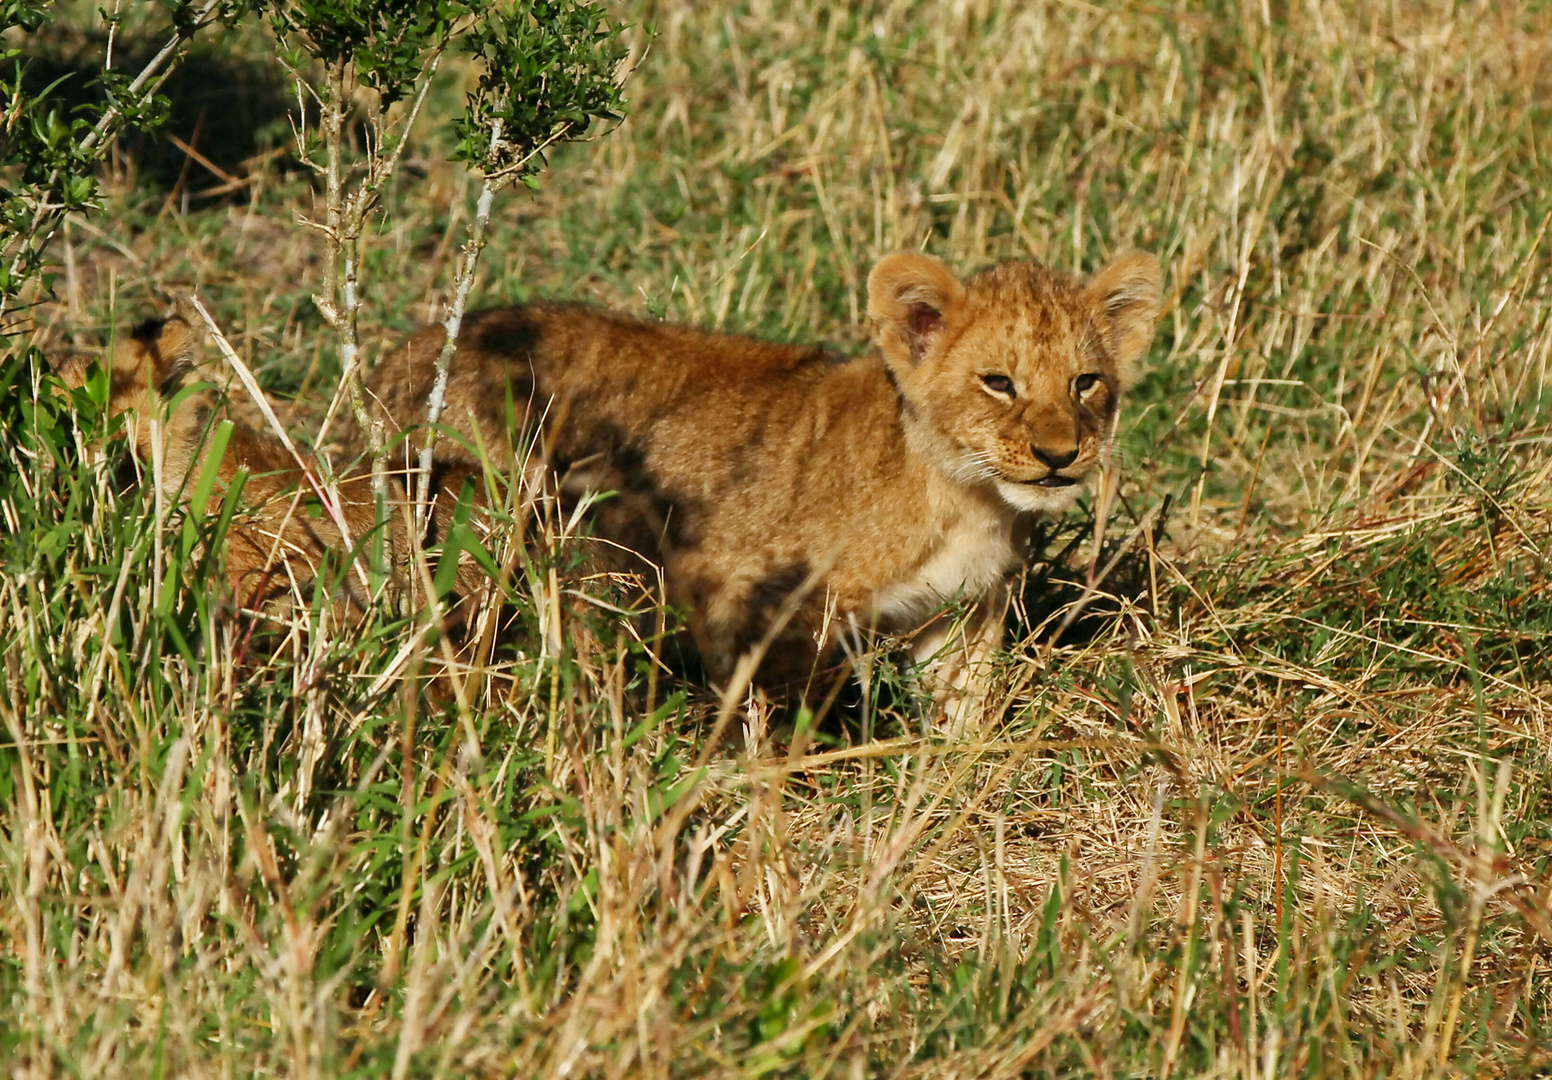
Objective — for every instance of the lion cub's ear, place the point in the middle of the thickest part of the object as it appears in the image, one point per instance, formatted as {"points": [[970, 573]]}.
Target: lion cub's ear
{"points": [[1127, 294], [161, 353], [149, 362], [151, 358], [910, 299]]}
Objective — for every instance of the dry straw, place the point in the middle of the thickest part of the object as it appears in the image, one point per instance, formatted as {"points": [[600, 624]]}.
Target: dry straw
{"points": [[1272, 804]]}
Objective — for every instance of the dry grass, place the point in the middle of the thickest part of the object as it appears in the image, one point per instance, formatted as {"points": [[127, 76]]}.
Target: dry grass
{"points": [[1274, 805]]}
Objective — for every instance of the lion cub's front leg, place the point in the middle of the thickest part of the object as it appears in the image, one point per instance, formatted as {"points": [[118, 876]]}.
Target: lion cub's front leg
{"points": [[958, 656]]}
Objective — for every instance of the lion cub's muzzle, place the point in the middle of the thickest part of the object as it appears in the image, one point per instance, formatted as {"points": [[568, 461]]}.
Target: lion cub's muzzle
{"points": [[1054, 480], [1055, 460]]}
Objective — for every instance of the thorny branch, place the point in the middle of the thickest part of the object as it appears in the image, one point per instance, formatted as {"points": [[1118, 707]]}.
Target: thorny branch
{"points": [[345, 218], [493, 182]]}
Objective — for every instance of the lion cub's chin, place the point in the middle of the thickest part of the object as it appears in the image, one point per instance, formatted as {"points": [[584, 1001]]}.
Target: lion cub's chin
{"points": [[1032, 498]]}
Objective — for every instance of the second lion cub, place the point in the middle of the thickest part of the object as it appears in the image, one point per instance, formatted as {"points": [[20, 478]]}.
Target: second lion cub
{"points": [[787, 493]]}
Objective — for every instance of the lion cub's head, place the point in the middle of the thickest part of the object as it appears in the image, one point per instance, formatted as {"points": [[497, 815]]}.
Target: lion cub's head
{"points": [[145, 369], [1014, 376], [147, 362]]}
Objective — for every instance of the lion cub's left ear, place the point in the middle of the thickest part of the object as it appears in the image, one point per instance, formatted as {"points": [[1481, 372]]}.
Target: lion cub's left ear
{"points": [[911, 297], [1127, 295]]}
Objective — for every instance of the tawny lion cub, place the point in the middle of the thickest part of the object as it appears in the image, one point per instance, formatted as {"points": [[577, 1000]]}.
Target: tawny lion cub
{"points": [[791, 496], [277, 549]]}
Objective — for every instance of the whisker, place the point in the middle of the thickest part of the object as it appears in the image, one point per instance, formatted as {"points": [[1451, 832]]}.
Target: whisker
{"points": [[973, 466]]}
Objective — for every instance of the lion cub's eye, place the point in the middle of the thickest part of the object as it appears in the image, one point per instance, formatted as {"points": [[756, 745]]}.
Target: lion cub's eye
{"points": [[1084, 383], [998, 384]]}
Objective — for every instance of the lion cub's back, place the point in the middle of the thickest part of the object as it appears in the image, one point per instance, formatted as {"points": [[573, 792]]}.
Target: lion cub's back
{"points": [[598, 380]]}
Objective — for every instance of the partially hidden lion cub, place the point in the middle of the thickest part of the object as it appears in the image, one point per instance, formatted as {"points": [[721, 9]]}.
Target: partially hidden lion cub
{"points": [[792, 496], [276, 550]]}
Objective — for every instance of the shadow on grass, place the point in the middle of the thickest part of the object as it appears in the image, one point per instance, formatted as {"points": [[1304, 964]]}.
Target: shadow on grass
{"points": [[1053, 603], [227, 103]]}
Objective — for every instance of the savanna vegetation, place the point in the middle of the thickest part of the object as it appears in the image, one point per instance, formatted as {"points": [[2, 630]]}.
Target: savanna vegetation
{"points": [[1268, 795]]}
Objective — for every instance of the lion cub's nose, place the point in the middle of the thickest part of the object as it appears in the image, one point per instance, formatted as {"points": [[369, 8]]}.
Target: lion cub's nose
{"points": [[1056, 459]]}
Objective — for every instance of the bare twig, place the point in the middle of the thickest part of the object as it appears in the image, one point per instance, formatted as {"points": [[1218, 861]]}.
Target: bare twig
{"points": [[493, 183], [453, 325], [345, 217]]}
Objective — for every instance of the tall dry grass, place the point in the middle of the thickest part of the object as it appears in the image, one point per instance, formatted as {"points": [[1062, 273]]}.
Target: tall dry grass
{"points": [[1272, 803]]}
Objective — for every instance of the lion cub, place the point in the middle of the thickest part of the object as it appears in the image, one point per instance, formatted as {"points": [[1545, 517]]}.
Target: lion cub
{"points": [[792, 496], [277, 549]]}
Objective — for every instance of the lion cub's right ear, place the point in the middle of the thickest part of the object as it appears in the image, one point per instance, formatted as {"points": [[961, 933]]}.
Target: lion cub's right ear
{"points": [[151, 362], [154, 356], [160, 351], [911, 297]]}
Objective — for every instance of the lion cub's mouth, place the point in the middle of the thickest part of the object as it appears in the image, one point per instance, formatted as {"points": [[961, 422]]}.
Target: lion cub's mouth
{"points": [[1052, 481]]}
